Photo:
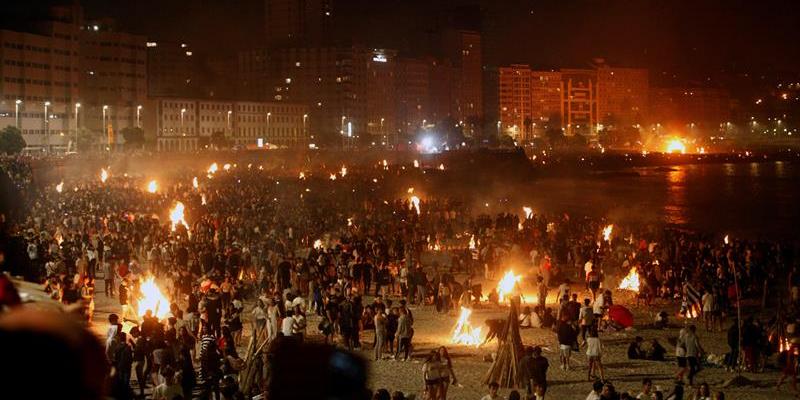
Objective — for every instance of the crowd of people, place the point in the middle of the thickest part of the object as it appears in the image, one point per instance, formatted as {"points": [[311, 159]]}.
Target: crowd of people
{"points": [[274, 252]]}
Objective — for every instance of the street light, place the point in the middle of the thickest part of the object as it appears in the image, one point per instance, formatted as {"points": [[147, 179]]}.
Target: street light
{"points": [[77, 108], [138, 116], [183, 111], [105, 110], [269, 135], [16, 112], [46, 125], [230, 129], [305, 117]]}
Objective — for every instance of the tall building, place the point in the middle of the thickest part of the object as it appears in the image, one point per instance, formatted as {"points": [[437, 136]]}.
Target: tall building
{"points": [[171, 70], [330, 81], [292, 23], [580, 101], [39, 81], [515, 96], [382, 95], [414, 103], [463, 49], [113, 75], [622, 95]]}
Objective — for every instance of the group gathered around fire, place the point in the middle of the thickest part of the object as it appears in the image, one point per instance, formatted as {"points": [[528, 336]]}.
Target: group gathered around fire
{"points": [[344, 258]]}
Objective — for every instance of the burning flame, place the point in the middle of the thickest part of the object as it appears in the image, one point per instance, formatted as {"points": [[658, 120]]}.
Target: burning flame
{"points": [[226, 167], [203, 199], [631, 281], [607, 232], [385, 164], [318, 244], [152, 299], [176, 216], [152, 187], [343, 171], [414, 203], [693, 311], [464, 333], [60, 187], [416, 164], [410, 190], [302, 176], [103, 175], [441, 167], [676, 146], [520, 227], [333, 177], [472, 242], [507, 284], [213, 168], [194, 183], [528, 212], [726, 237]]}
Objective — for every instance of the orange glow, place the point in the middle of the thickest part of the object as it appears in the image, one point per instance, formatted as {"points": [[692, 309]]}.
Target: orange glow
{"points": [[212, 169], [607, 232], [507, 284], [152, 186], [631, 281], [676, 146], [152, 299], [60, 187], [464, 333], [103, 175], [195, 184], [414, 203], [528, 212], [176, 216]]}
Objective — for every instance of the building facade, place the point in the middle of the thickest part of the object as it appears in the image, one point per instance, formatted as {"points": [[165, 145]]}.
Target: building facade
{"points": [[183, 124], [463, 50], [39, 83], [578, 101]]}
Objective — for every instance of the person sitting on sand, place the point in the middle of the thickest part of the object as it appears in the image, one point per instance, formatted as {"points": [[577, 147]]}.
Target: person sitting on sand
{"points": [[525, 318], [656, 351], [635, 351]]}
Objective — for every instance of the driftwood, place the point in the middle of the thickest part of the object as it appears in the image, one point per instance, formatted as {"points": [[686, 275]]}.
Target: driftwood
{"points": [[505, 368]]}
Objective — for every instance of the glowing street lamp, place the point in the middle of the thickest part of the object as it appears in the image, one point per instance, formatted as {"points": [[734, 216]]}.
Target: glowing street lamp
{"points": [[183, 111], [230, 130], [77, 108], [269, 134], [46, 124]]}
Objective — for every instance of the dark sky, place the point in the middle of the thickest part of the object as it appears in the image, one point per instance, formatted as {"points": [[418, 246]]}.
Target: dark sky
{"points": [[693, 37]]}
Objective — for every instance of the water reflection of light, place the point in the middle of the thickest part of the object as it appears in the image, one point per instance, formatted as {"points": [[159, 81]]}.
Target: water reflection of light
{"points": [[780, 169], [730, 169], [675, 211], [754, 169]]}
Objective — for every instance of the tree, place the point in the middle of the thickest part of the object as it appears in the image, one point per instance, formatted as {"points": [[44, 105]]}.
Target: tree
{"points": [[134, 137], [86, 139], [219, 140], [11, 141]]}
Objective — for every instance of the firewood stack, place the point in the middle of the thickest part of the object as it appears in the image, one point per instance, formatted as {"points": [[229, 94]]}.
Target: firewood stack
{"points": [[248, 376], [505, 368]]}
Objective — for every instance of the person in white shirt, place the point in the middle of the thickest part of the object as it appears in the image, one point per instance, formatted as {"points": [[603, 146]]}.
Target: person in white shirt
{"points": [[708, 310], [286, 324], [298, 323], [647, 390], [493, 387], [597, 388]]}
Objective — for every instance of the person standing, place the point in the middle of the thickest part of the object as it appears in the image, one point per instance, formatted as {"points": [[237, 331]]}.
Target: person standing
{"points": [[539, 373], [594, 352], [567, 337], [380, 332], [693, 352], [446, 374], [404, 333]]}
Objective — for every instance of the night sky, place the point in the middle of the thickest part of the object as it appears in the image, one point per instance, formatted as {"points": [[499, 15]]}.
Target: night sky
{"points": [[695, 37]]}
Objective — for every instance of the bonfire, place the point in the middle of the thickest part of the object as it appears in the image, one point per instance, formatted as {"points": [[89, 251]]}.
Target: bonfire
{"points": [[212, 168], [631, 281], [414, 203], [464, 333], [507, 284], [607, 232], [528, 212], [152, 299], [103, 175], [152, 186], [176, 216], [676, 146], [60, 187], [195, 184]]}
